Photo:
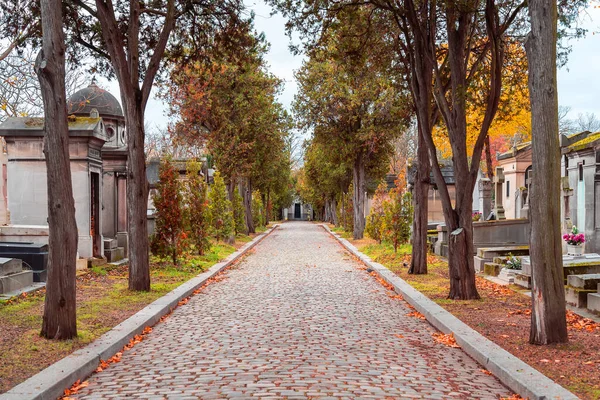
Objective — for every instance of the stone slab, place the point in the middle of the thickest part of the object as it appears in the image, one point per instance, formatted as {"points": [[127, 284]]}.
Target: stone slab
{"points": [[492, 269], [114, 255], [110, 244], [513, 372], [123, 241], [81, 264], [52, 381], [479, 263], [10, 266], [34, 287], [585, 281], [593, 302], [507, 275], [577, 297], [14, 282], [523, 280], [502, 251]]}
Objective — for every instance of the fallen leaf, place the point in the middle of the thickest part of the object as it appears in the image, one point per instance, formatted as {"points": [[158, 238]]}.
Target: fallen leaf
{"points": [[416, 314], [446, 339]]}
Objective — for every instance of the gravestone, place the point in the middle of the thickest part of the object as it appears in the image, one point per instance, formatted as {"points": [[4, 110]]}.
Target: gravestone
{"points": [[485, 197], [499, 181], [12, 275]]}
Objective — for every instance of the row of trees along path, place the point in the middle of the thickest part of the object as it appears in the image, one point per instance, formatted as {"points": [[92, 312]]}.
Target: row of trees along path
{"points": [[437, 57], [137, 43]]}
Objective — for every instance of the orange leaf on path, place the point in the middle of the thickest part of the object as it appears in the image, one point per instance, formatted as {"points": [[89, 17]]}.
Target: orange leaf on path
{"points": [[445, 339]]}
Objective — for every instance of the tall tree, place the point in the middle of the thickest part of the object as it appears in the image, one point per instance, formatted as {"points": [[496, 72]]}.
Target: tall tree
{"points": [[548, 316], [347, 84], [59, 320], [129, 40], [226, 100]]}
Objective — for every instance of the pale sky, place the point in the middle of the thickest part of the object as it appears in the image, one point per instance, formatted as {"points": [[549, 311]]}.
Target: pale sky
{"points": [[578, 82]]}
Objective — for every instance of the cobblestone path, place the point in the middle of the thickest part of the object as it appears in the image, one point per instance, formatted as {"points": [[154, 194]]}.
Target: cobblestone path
{"points": [[298, 318]]}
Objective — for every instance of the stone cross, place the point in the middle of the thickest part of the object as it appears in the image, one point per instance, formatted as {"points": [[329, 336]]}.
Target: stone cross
{"points": [[498, 181], [485, 197]]}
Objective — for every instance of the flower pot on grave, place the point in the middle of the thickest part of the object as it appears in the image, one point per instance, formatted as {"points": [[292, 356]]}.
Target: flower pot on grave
{"points": [[575, 250]]}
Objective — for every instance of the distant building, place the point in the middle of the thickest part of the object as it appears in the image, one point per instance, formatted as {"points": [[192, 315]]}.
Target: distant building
{"points": [[517, 169]]}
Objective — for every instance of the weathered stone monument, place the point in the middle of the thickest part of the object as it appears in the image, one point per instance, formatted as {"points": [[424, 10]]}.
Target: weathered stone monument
{"points": [[485, 197], [12, 276], [498, 181]]}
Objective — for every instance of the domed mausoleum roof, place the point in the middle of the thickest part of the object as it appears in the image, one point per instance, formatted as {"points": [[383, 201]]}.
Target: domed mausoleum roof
{"points": [[83, 101]]}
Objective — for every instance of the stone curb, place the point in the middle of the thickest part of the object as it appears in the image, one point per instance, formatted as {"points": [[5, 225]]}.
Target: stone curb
{"points": [[51, 382], [510, 370]]}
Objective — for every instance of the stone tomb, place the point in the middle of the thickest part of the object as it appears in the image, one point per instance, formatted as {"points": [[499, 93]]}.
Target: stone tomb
{"points": [[26, 176], [578, 288], [12, 276], [98, 160], [593, 301], [587, 264]]}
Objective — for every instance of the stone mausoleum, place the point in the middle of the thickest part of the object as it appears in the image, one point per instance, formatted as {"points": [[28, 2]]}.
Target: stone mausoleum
{"points": [[98, 153]]}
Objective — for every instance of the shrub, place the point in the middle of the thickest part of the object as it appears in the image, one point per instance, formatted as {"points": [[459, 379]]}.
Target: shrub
{"points": [[169, 222], [376, 216], [258, 209], [196, 212], [398, 218], [221, 216]]}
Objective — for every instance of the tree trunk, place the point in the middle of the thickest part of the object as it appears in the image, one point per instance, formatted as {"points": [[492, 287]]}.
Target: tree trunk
{"points": [[334, 217], [460, 256], [488, 159], [137, 197], [418, 263], [230, 189], [548, 316], [358, 208], [248, 206], [59, 319], [268, 207]]}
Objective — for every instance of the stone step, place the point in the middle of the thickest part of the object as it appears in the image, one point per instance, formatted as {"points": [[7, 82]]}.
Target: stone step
{"points": [[479, 263], [585, 281], [576, 296], [14, 282], [492, 269], [523, 280], [110, 244], [113, 255], [507, 275], [593, 302], [10, 266]]}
